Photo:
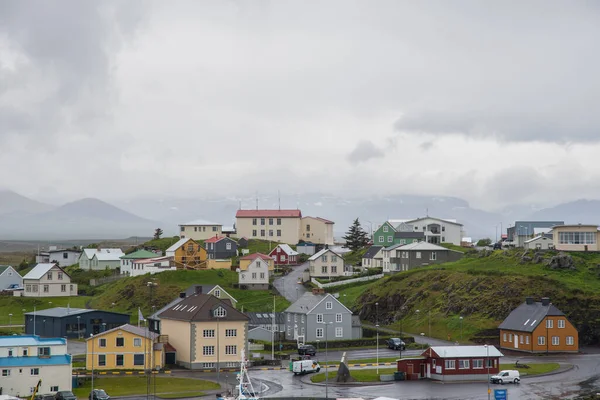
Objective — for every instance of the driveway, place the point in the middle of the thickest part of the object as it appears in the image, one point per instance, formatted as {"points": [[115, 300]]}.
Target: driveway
{"points": [[75, 347], [288, 286]]}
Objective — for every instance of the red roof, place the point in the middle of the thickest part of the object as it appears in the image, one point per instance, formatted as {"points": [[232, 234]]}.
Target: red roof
{"points": [[169, 348], [268, 214], [215, 239], [254, 256]]}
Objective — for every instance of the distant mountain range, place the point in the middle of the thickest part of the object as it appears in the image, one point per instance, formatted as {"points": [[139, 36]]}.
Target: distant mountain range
{"points": [[27, 219]]}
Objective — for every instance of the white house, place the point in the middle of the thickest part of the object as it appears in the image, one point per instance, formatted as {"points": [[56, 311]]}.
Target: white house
{"points": [[327, 264], [9, 277], [200, 229], [64, 257], [152, 266], [48, 280], [373, 258], [27, 359], [540, 242], [100, 259], [255, 276], [127, 260], [436, 230]]}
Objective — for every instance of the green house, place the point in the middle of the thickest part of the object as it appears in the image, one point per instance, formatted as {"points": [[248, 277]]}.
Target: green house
{"points": [[384, 235]]}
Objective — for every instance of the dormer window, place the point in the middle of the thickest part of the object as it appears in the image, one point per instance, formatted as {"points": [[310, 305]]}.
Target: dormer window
{"points": [[219, 312], [218, 293]]}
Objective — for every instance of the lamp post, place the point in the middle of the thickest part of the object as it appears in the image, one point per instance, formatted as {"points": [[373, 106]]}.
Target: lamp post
{"points": [[9, 319], [326, 359], [377, 328], [418, 312], [429, 315], [92, 338], [148, 349], [487, 360], [401, 328], [78, 327], [104, 327], [461, 328]]}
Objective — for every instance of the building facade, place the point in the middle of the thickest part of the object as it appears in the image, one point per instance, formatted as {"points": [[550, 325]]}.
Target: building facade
{"points": [[255, 276], [71, 322], [384, 235], [418, 254], [283, 254], [187, 254], [200, 230], [152, 266], [62, 257], [9, 277], [247, 260], [28, 359], [538, 327], [127, 260], [373, 258], [220, 247], [282, 226], [107, 258], [428, 229], [576, 238], [317, 230], [327, 264], [48, 280], [525, 230], [540, 242]]}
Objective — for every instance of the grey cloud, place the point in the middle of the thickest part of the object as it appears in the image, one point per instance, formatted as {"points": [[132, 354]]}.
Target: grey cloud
{"points": [[364, 151], [426, 146]]}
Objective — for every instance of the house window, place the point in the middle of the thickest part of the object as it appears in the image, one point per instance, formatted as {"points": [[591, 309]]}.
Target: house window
{"points": [[208, 365], [34, 371], [333, 258], [402, 241], [43, 351], [450, 364], [433, 256], [381, 239], [561, 323], [262, 232], [218, 293], [418, 254], [385, 228], [527, 339], [319, 318], [253, 232], [549, 323], [220, 312], [262, 221], [208, 350], [59, 276], [504, 337], [214, 228], [262, 275], [541, 340], [555, 341], [49, 276], [270, 221], [477, 364], [102, 360], [195, 229], [288, 317], [329, 305], [120, 342], [463, 364], [390, 239], [324, 258], [489, 363], [24, 352], [102, 342], [231, 349], [54, 388], [228, 246], [521, 339], [334, 269], [6, 372], [324, 269], [254, 222], [137, 342], [71, 288], [120, 358], [278, 232], [278, 221], [405, 254], [319, 332], [510, 337], [570, 341], [339, 331], [231, 333], [254, 275], [302, 318], [183, 229], [46, 288], [270, 232], [138, 359], [63, 288]]}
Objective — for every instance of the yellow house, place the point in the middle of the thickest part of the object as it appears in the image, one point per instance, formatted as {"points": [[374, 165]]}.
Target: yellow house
{"points": [[207, 332], [187, 254], [124, 347], [247, 260]]}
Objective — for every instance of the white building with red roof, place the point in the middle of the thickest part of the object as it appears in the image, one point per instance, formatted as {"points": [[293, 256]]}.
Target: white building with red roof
{"points": [[283, 254]]}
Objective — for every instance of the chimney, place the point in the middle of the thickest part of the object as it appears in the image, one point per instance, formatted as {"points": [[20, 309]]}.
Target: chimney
{"points": [[318, 291], [198, 289], [529, 300], [182, 295], [545, 301]]}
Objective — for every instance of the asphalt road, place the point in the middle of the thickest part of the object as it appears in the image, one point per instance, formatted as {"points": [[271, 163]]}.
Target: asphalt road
{"points": [[288, 286], [75, 347]]}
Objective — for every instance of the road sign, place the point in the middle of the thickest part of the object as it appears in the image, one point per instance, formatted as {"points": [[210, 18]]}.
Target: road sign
{"points": [[500, 394]]}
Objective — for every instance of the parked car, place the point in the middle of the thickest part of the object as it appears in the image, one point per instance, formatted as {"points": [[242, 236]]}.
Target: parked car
{"points": [[44, 397], [497, 246], [506, 376], [396, 344], [99, 394], [65, 395], [305, 366], [307, 349]]}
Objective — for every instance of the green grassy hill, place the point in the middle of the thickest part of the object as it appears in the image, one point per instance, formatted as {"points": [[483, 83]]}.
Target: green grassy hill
{"points": [[16, 305], [483, 288]]}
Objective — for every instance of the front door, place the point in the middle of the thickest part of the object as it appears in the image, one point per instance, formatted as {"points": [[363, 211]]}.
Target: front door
{"points": [[422, 371], [409, 369], [428, 370], [516, 341]]}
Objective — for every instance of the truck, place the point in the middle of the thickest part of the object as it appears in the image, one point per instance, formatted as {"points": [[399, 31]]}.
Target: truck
{"points": [[305, 366]]}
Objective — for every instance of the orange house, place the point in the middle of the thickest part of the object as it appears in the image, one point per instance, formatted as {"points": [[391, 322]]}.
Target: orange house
{"points": [[538, 327], [187, 254]]}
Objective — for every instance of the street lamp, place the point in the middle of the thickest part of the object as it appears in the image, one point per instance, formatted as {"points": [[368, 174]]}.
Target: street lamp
{"points": [[10, 319], [461, 328], [78, 327], [104, 327], [148, 356], [92, 338], [326, 359], [487, 360], [377, 327]]}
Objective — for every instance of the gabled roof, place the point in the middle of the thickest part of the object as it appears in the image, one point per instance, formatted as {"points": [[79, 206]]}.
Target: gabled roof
{"points": [[286, 249], [90, 252], [372, 252], [178, 244], [254, 256], [423, 246], [256, 318], [41, 269], [199, 308], [153, 260], [64, 251], [463, 351], [528, 316], [320, 219], [200, 222], [131, 329], [445, 220], [540, 237], [59, 312], [205, 289], [308, 301], [108, 256], [268, 214], [3, 269], [320, 253], [216, 239], [136, 255]]}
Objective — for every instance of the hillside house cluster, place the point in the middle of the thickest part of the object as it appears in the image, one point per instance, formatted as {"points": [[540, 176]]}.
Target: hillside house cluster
{"points": [[426, 229], [404, 257]]}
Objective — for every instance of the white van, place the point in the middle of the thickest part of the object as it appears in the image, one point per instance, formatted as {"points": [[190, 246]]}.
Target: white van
{"points": [[305, 367], [506, 376]]}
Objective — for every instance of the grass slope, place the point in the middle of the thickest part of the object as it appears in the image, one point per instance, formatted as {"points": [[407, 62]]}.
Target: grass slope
{"points": [[136, 385]]}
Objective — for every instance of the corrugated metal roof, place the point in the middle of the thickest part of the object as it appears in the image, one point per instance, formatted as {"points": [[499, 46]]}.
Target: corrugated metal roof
{"points": [[464, 351], [30, 340], [136, 255], [59, 312], [265, 318], [39, 270], [254, 256], [306, 302], [423, 246], [199, 307], [111, 255], [287, 250], [177, 244], [527, 317], [63, 359], [373, 250], [90, 252], [320, 253], [200, 222], [131, 329], [268, 214]]}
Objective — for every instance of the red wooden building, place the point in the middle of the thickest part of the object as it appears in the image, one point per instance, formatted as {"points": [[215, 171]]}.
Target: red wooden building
{"points": [[453, 363], [284, 255]]}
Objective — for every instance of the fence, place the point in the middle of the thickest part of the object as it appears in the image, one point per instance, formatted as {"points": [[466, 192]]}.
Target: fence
{"points": [[112, 278], [345, 281]]}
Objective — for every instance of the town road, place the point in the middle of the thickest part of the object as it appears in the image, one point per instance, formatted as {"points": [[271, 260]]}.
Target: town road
{"points": [[288, 286]]}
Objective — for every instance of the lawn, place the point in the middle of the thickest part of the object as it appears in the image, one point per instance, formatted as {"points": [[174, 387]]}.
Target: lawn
{"points": [[361, 375], [136, 385], [534, 368], [16, 305]]}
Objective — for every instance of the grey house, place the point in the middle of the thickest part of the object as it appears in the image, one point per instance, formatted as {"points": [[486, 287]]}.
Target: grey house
{"points": [[318, 316], [8, 277], [220, 247], [420, 254]]}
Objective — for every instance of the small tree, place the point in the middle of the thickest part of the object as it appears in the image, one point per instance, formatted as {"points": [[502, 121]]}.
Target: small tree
{"points": [[356, 238], [157, 233], [484, 242]]}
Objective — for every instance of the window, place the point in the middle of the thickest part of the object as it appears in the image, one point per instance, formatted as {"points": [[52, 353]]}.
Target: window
{"points": [[334, 269], [319, 332], [208, 350], [477, 364], [561, 323], [390, 239], [381, 239], [262, 221], [270, 232], [433, 256], [231, 349], [385, 228], [333, 258], [278, 221], [137, 342], [138, 359], [527, 339], [555, 341], [228, 246], [254, 221], [43, 351], [49, 276], [54, 388], [489, 363], [521, 339], [510, 337], [324, 258], [418, 255], [120, 358], [504, 337], [288, 317], [60, 275], [302, 318], [208, 365], [35, 371], [450, 364], [102, 342], [253, 232], [319, 318], [577, 237], [183, 229], [405, 254], [46, 288], [214, 228], [570, 341], [324, 269], [254, 275], [270, 221], [220, 312], [231, 333], [278, 232], [541, 340], [120, 342], [102, 360], [262, 232], [24, 352], [463, 364], [549, 323], [262, 275], [329, 305], [339, 331], [63, 288], [6, 372], [296, 317], [218, 293]]}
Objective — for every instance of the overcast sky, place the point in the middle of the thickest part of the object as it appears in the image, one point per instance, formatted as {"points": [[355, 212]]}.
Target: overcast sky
{"points": [[494, 102]]}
